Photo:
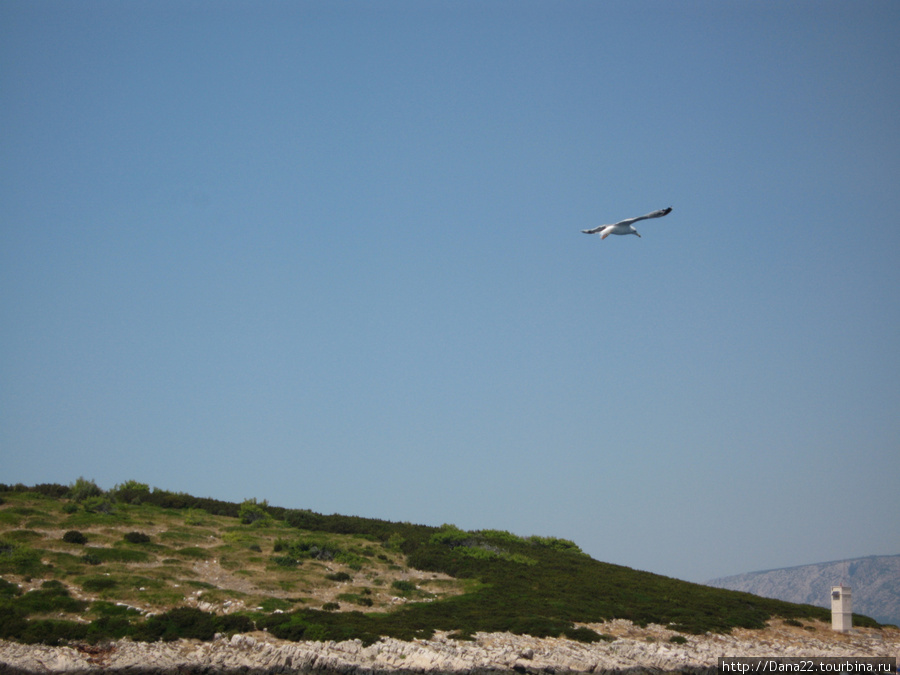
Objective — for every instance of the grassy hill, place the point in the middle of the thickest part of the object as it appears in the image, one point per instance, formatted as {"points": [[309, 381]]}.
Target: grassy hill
{"points": [[78, 563]]}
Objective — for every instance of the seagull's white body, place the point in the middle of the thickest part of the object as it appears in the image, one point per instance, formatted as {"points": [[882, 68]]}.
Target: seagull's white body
{"points": [[625, 226]]}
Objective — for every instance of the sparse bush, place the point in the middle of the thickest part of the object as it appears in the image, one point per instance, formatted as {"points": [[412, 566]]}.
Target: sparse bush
{"points": [[317, 549], [83, 489], [235, 623], [191, 624], [286, 561], [104, 608], [678, 639], [52, 490], [253, 513], [89, 559], [137, 538], [52, 632], [356, 599], [118, 554], [331, 606], [555, 543], [15, 559], [452, 536], [51, 597], [9, 589], [338, 576], [273, 604], [98, 504], [194, 552], [181, 622], [501, 536], [131, 492], [74, 537], [584, 634], [402, 586], [12, 623], [98, 583]]}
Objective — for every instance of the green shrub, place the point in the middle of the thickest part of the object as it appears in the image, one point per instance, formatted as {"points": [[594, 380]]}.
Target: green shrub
{"points": [[111, 609], [52, 632], [12, 623], [125, 555], [394, 542], [131, 492], [98, 583], [271, 604], [16, 559], [585, 634], [100, 504], [181, 622], [9, 589], [356, 599], [235, 623], [540, 626], [286, 561], [678, 639], [74, 537], [317, 549], [555, 543], [51, 597], [23, 536], [338, 576], [193, 552], [109, 628], [402, 586], [501, 536], [253, 513], [452, 536], [83, 489], [191, 624], [331, 606], [137, 538]]}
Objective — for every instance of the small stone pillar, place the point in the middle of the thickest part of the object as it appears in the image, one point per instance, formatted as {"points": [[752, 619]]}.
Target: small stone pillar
{"points": [[841, 609]]}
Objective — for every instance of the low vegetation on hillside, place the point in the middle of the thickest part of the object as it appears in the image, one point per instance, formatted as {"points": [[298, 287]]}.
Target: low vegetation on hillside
{"points": [[80, 563]]}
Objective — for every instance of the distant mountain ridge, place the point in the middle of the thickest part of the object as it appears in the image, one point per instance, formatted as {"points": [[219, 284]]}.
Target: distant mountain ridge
{"points": [[875, 581]]}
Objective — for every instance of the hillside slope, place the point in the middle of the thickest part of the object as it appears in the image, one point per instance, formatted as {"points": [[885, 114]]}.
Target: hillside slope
{"points": [[78, 563], [875, 581]]}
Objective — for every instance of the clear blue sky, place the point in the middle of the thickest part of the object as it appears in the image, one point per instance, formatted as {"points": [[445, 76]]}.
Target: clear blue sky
{"points": [[328, 254]]}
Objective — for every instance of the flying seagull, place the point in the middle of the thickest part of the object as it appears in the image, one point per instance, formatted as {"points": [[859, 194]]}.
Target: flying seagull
{"points": [[625, 226]]}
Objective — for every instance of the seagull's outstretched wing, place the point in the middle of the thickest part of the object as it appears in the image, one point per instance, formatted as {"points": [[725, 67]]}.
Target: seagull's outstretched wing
{"points": [[595, 230], [655, 214], [629, 221]]}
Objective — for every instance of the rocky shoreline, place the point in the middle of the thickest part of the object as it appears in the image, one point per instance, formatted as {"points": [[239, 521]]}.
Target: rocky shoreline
{"points": [[630, 649]]}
